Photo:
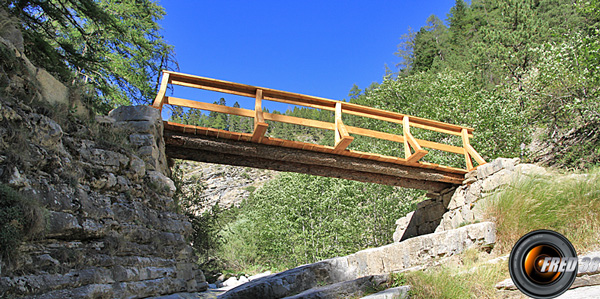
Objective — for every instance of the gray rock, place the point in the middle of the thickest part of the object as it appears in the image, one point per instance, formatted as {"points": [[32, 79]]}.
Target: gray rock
{"points": [[45, 261], [53, 91], [137, 168], [62, 225], [259, 275], [469, 181], [47, 132], [530, 169], [225, 185], [401, 226], [141, 139], [107, 235], [467, 201], [458, 199], [10, 31], [231, 282], [146, 127], [343, 289], [484, 171], [471, 174], [590, 292], [161, 183], [498, 179], [104, 120], [400, 292], [135, 113], [18, 180], [109, 160]]}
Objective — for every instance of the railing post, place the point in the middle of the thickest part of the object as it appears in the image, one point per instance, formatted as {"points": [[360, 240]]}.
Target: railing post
{"points": [[465, 140], [409, 141], [160, 96], [406, 132], [260, 126], [342, 138], [470, 151]]}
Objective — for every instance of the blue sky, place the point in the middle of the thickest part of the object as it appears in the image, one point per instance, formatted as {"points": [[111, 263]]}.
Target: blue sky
{"points": [[318, 48]]}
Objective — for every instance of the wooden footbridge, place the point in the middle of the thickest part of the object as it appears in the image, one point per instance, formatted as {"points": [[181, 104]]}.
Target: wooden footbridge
{"points": [[259, 151]]}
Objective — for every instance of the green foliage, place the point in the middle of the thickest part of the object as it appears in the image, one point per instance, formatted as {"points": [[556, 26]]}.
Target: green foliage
{"points": [[428, 45], [206, 225], [297, 219], [453, 97], [236, 123], [114, 46], [530, 64], [20, 219]]}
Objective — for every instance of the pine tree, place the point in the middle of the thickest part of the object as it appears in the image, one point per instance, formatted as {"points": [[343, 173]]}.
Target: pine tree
{"points": [[234, 120], [112, 46], [428, 45]]}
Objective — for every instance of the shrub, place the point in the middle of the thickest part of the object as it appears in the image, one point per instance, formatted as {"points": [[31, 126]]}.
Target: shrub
{"points": [[20, 219]]}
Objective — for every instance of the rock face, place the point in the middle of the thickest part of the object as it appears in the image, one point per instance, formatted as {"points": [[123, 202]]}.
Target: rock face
{"points": [[453, 208], [467, 202], [395, 257], [48, 88], [111, 230], [145, 126], [9, 30], [344, 289], [224, 185], [426, 218]]}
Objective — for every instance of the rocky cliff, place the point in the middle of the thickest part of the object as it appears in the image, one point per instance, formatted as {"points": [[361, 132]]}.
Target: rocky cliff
{"points": [[98, 191], [224, 185]]}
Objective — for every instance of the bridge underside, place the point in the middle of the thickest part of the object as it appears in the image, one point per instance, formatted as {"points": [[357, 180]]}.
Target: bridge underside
{"points": [[211, 149]]}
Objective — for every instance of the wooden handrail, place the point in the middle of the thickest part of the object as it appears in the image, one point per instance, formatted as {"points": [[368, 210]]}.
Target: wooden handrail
{"points": [[341, 131]]}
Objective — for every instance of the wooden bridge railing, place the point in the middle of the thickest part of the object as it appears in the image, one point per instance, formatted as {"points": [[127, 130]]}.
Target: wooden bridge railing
{"points": [[413, 148]]}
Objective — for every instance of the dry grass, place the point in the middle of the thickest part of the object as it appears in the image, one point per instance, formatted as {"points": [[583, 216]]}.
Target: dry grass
{"points": [[566, 203], [467, 276]]}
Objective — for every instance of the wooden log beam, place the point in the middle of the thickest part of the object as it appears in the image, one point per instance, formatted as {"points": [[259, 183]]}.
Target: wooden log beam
{"points": [[320, 170], [208, 107], [159, 100], [248, 150]]}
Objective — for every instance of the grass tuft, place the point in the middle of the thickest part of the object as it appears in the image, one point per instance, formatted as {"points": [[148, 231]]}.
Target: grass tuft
{"points": [[468, 277], [566, 203]]}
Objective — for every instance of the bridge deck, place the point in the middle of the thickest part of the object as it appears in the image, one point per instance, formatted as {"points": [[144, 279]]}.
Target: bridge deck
{"points": [[236, 148], [196, 145], [196, 130]]}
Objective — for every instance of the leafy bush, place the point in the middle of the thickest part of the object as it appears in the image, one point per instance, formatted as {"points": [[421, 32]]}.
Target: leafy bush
{"points": [[297, 219], [452, 97], [20, 219]]}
